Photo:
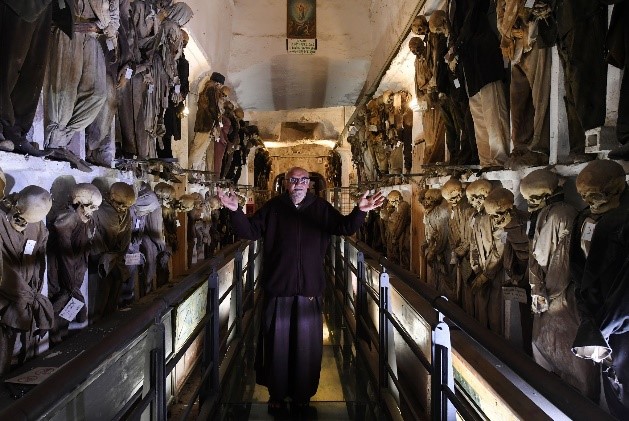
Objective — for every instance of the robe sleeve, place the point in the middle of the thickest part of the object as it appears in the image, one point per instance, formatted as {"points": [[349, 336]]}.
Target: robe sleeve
{"points": [[340, 224], [249, 228]]}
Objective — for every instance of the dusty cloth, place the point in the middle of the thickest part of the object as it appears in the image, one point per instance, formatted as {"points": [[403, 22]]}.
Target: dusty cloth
{"points": [[581, 45], [22, 306], [434, 134], [438, 251], [68, 251], [77, 73], [486, 253], [295, 242], [602, 294], [618, 45], [476, 44], [202, 145], [143, 27], [459, 234], [549, 276], [26, 37], [516, 263], [173, 114], [112, 239], [491, 124], [153, 246], [398, 232], [207, 111]]}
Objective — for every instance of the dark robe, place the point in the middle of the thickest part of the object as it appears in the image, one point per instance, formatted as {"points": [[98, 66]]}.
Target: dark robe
{"points": [[295, 242], [602, 293], [22, 306], [68, 251]]}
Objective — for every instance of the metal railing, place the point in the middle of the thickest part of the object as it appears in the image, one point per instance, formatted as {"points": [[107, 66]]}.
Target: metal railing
{"points": [[141, 333], [349, 262]]}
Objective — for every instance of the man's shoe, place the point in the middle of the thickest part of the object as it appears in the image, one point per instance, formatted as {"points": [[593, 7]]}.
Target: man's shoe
{"points": [[620, 153]]}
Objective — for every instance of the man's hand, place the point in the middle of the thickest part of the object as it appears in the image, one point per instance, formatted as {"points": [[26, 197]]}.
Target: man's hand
{"points": [[366, 204], [228, 199]]}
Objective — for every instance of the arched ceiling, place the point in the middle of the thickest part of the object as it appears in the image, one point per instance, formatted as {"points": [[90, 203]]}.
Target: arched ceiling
{"points": [[356, 40]]}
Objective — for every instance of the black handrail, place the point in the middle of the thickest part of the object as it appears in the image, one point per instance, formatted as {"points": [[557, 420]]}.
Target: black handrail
{"points": [[565, 398]]}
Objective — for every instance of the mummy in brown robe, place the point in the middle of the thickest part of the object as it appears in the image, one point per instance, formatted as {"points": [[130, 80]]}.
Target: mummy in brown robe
{"points": [[71, 236], [23, 236], [486, 259], [556, 319], [437, 248], [459, 237], [165, 193], [113, 235], [398, 229]]}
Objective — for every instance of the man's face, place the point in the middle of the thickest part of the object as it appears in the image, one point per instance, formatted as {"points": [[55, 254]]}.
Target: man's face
{"points": [[297, 183]]}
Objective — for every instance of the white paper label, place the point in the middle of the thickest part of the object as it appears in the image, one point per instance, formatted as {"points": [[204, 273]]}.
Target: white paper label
{"points": [[128, 73], [137, 224], [177, 89], [503, 237], [529, 4], [34, 376], [29, 247], [62, 4], [71, 309], [110, 44], [133, 259], [514, 294], [528, 227], [151, 88], [588, 231], [457, 84], [177, 223], [453, 258]]}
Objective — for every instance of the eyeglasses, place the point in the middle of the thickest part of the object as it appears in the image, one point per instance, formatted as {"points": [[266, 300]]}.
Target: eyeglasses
{"points": [[297, 180]]}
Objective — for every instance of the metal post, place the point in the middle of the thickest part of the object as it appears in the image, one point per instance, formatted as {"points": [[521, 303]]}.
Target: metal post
{"points": [[442, 375], [361, 298], [211, 341], [346, 273], [384, 332], [238, 278], [158, 357]]}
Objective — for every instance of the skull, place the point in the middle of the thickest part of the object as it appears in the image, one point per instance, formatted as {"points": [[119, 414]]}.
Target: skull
{"points": [[417, 46], [165, 193], [499, 204], [600, 184], [419, 25], [239, 113], [537, 187], [452, 191], [186, 203], [86, 198], [198, 200], [432, 199], [31, 205], [439, 23], [215, 202], [387, 96], [476, 193], [394, 197], [121, 196], [225, 91]]}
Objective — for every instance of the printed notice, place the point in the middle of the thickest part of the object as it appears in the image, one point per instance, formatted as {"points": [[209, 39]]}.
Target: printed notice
{"points": [[588, 231], [133, 259], [514, 294], [34, 376], [29, 247], [301, 46], [71, 309]]}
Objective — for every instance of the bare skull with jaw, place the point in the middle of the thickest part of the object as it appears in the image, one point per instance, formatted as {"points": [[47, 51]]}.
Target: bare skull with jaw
{"points": [[419, 25], [165, 193], [477, 192], [601, 184], [121, 196], [537, 187], [452, 192], [394, 197], [31, 205], [86, 199], [499, 205], [432, 199]]}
